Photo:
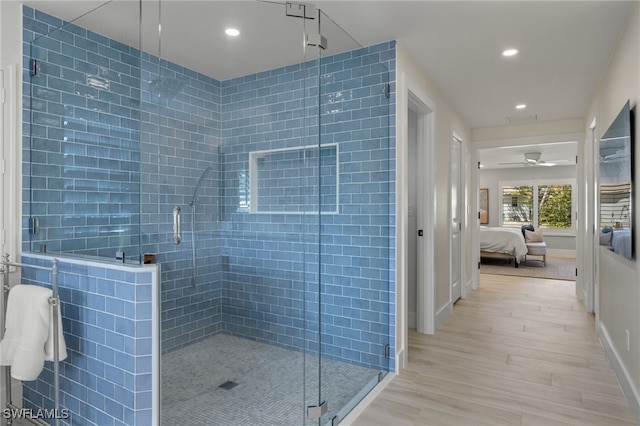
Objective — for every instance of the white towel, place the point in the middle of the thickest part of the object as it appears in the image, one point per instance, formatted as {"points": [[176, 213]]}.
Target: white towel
{"points": [[28, 338]]}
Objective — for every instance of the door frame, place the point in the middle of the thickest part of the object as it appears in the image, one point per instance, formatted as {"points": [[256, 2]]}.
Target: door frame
{"points": [[411, 96], [592, 256], [461, 219], [475, 177], [586, 220]]}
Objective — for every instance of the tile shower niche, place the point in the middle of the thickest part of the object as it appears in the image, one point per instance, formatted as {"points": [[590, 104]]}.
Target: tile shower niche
{"points": [[292, 180]]}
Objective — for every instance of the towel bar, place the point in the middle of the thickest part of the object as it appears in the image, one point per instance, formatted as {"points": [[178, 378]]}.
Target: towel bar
{"points": [[54, 301]]}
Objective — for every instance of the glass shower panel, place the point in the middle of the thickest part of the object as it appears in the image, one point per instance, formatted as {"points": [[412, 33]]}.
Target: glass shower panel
{"points": [[84, 148], [354, 241], [315, 405], [232, 154]]}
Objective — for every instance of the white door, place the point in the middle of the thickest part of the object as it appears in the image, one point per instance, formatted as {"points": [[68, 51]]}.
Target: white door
{"points": [[414, 211], [456, 222]]}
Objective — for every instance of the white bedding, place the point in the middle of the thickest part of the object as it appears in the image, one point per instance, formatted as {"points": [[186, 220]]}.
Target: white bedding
{"points": [[621, 242], [503, 240]]}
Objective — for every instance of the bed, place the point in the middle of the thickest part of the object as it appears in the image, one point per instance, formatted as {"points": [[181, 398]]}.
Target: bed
{"points": [[621, 242], [502, 243]]}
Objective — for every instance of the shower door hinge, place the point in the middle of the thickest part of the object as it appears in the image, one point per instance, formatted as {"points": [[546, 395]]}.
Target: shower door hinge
{"points": [[317, 411], [34, 225], [387, 90], [317, 40], [385, 350], [300, 10]]}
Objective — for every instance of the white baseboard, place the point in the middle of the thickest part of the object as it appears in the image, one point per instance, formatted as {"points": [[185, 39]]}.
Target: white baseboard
{"points": [[443, 314], [412, 318], [401, 361], [629, 390], [468, 288], [359, 409], [561, 252]]}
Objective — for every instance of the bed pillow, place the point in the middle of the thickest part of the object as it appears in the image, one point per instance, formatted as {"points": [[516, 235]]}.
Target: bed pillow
{"points": [[533, 237], [605, 238], [524, 228]]}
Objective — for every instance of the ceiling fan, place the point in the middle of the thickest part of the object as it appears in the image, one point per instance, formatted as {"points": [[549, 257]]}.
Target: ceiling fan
{"points": [[534, 159]]}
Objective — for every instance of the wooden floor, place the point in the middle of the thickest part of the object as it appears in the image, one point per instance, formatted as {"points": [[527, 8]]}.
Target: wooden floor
{"points": [[517, 351]]}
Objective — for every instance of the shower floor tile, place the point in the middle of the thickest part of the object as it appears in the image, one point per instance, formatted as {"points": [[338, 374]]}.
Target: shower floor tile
{"points": [[268, 389]]}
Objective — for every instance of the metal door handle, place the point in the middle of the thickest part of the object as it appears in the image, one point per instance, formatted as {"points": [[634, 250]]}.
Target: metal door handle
{"points": [[177, 225]]}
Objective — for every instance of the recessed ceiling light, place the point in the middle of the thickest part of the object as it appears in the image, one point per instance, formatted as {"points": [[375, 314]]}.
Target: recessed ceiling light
{"points": [[232, 32], [510, 52], [521, 106]]}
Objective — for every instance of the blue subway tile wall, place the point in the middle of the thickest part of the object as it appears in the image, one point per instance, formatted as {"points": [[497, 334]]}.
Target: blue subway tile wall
{"points": [[271, 288], [88, 185], [107, 326], [257, 275], [180, 152]]}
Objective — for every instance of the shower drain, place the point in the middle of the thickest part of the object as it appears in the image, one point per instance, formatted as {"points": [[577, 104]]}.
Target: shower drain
{"points": [[228, 385]]}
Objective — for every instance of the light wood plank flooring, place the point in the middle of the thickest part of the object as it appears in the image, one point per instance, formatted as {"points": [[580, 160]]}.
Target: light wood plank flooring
{"points": [[517, 351]]}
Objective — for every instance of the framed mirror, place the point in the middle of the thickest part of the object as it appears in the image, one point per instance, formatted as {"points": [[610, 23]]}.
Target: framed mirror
{"points": [[616, 185]]}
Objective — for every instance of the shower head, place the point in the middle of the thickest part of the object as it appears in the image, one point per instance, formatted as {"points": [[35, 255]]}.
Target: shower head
{"points": [[196, 192]]}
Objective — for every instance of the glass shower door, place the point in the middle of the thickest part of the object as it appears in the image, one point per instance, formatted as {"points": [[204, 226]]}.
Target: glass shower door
{"points": [[315, 406]]}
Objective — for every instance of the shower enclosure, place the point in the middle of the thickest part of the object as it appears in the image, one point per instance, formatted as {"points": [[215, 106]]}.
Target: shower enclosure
{"points": [[262, 183]]}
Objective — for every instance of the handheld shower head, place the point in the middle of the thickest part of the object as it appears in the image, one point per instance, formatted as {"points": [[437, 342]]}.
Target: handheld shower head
{"points": [[196, 192]]}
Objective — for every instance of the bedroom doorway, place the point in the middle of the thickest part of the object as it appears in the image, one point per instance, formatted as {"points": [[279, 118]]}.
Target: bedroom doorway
{"points": [[504, 170]]}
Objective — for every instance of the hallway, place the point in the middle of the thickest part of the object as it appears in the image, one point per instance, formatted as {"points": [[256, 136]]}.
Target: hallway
{"points": [[517, 351]]}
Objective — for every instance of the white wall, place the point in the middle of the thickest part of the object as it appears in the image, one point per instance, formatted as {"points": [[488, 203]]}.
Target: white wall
{"points": [[10, 184], [619, 278], [10, 64], [491, 178]]}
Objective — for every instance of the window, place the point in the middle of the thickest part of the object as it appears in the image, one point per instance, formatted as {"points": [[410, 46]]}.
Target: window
{"points": [[544, 204], [517, 205], [243, 191], [554, 206]]}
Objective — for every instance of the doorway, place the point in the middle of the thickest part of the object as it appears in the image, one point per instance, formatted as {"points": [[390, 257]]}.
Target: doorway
{"points": [[420, 217]]}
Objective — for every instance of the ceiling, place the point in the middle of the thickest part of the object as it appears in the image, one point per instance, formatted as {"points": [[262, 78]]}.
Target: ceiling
{"points": [[558, 154], [564, 46]]}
